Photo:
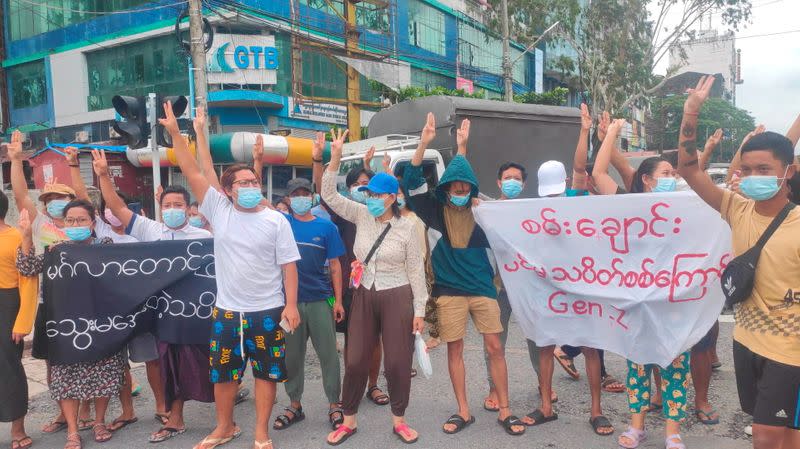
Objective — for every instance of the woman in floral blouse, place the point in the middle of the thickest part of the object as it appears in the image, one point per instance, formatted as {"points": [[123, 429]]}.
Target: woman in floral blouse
{"points": [[71, 383]]}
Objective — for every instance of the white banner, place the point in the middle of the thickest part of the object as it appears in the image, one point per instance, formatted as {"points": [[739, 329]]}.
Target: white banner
{"points": [[637, 275]]}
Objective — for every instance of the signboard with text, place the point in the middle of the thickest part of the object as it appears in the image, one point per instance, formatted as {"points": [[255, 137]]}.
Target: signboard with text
{"points": [[242, 59]]}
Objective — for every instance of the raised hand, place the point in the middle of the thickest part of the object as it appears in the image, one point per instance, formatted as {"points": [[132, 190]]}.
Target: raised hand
{"points": [[758, 130], [339, 137], [386, 161], [368, 157], [462, 134], [71, 155], [169, 122], [615, 127], [318, 146], [586, 118], [24, 222], [200, 118], [713, 140], [14, 148], [99, 163], [602, 129], [429, 130], [698, 95], [258, 148]]}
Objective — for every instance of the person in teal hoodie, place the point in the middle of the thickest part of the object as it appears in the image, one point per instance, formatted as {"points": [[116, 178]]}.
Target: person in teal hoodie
{"points": [[464, 272]]}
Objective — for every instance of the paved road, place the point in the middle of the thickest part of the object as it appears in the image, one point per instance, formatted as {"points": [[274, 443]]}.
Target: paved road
{"points": [[431, 403]]}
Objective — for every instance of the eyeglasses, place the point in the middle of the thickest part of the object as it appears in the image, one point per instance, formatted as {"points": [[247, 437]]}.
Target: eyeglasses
{"points": [[83, 221], [247, 183]]}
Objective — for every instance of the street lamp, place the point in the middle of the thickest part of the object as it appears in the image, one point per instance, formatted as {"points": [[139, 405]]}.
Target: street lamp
{"points": [[508, 64]]}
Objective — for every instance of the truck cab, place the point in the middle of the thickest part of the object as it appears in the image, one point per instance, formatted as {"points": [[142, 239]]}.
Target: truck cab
{"points": [[400, 150]]}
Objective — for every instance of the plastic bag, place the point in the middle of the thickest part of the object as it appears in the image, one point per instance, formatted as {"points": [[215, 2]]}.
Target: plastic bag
{"points": [[423, 358]]}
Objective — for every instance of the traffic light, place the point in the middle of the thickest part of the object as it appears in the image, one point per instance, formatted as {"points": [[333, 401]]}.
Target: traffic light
{"points": [[134, 130], [179, 104]]}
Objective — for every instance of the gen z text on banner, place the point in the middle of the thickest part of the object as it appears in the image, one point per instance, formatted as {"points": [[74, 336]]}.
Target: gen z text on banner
{"points": [[98, 297], [637, 275]]}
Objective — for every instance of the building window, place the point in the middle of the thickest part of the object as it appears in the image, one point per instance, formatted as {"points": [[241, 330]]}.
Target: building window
{"points": [[28, 84], [136, 69], [428, 80], [426, 27], [27, 18], [484, 52], [368, 15]]}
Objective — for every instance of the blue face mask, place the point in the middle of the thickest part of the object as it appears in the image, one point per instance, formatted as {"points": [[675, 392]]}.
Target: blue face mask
{"points": [[511, 188], [301, 204], [358, 196], [196, 221], [459, 201], [665, 185], [173, 218], [249, 197], [760, 188], [401, 202], [55, 208], [375, 206], [78, 233]]}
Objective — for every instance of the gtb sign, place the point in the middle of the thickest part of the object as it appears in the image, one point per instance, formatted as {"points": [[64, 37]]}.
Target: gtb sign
{"points": [[243, 59]]}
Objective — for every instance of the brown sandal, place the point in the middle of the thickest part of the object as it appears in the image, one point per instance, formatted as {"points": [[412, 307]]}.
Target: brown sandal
{"points": [[101, 433], [74, 441]]}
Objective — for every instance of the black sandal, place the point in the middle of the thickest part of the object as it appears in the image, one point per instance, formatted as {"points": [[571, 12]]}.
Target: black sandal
{"points": [[510, 422], [285, 421], [338, 421], [538, 417], [601, 421], [459, 422], [381, 399]]}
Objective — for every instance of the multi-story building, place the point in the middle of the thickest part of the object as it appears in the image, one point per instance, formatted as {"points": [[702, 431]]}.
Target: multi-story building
{"points": [[713, 53], [273, 65]]}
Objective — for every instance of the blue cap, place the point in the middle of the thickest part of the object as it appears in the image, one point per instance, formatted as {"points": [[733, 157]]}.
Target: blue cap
{"points": [[382, 183]]}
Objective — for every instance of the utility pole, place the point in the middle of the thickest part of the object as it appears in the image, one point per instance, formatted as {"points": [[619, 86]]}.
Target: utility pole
{"points": [[508, 81], [198, 54], [353, 87], [152, 119]]}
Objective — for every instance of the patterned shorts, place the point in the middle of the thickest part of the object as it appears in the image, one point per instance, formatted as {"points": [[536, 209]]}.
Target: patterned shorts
{"points": [[237, 337]]}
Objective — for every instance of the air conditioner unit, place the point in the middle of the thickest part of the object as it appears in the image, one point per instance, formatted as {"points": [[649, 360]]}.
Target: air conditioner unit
{"points": [[82, 136], [113, 133]]}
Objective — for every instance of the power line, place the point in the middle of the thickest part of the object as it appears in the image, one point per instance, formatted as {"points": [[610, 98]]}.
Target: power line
{"points": [[103, 13]]}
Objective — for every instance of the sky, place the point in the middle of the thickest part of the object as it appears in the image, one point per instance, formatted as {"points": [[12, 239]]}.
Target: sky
{"points": [[770, 64]]}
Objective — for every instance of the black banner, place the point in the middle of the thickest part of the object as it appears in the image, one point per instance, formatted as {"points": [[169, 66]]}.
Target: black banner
{"points": [[100, 296]]}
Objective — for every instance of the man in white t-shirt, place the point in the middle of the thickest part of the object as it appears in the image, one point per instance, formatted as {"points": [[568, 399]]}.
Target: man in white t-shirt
{"points": [[255, 254]]}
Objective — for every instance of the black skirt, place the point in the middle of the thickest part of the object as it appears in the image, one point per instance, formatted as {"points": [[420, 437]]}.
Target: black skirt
{"points": [[14, 385]]}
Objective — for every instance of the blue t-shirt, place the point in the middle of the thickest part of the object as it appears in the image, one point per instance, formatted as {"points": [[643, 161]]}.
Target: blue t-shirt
{"points": [[318, 240]]}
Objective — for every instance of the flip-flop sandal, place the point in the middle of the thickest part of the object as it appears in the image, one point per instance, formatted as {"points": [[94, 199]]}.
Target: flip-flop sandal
{"points": [[286, 421], [400, 430], [599, 422], [716, 365], [17, 444], [259, 445], [101, 433], [85, 424], [635, 435], [490, 409], [708, 419], [510, 422], [673, 445], [608, 384], [568, 365], [119, 424], [54, 427], [348, 432], [166, 433], [381, 399], [459, 422], [538, 418], [339, 420], [215, 442]]}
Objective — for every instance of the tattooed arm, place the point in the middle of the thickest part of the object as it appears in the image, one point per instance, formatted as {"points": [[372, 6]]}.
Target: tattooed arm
{"points": [[688, 165]]}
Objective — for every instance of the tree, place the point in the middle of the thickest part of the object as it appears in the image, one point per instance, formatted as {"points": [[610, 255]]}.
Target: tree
{"points": [[528, 18], [555, 97], [716, 113], [619, 43]]}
